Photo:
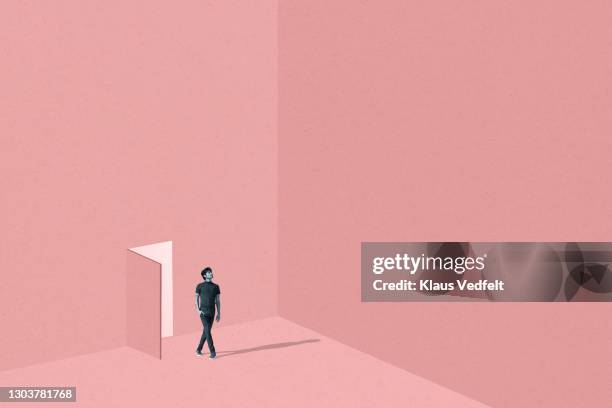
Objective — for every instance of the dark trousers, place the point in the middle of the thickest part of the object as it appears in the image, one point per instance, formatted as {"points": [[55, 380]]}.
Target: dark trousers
{"points": [[207, 322]]}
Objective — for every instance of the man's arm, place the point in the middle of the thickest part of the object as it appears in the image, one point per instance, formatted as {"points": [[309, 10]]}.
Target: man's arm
{"points": [[218, 302], [198, 302]]}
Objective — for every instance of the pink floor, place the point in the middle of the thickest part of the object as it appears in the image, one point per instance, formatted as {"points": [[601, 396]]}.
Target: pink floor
{"points": [[265, 363]]}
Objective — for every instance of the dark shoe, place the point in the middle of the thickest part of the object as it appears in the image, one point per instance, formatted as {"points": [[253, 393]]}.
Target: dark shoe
{"points": [[198, 353], [212, 355]]}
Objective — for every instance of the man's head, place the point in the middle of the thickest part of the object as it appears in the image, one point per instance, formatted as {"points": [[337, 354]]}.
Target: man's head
{"points": [[207, 273]]}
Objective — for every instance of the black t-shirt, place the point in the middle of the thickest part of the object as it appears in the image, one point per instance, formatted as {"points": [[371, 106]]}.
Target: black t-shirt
{"points": [[208, 293]]}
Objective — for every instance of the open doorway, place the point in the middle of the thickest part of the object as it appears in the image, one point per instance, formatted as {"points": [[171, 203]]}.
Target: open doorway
{"points": [[149, 296]]}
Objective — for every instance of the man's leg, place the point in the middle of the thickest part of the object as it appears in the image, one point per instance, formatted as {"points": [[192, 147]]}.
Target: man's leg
{"points": [[208, 322], [204, 331]]}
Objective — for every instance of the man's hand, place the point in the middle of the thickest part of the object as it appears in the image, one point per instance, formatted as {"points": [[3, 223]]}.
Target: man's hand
{"points": [[218, 317]]}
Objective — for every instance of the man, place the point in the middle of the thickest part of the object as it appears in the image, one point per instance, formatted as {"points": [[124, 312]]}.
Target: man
{"points": [[208, 295]]}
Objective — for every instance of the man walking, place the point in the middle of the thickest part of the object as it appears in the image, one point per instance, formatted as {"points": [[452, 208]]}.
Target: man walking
{"points": [[208, 295]]}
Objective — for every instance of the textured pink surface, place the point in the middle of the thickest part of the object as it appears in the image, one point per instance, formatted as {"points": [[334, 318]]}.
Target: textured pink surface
{"points": [[270, 363], [444, 121], [124, 123], [143, 311]]}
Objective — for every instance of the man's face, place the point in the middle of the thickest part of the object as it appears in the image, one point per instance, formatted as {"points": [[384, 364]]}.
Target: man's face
{"points": [[208, 275]]}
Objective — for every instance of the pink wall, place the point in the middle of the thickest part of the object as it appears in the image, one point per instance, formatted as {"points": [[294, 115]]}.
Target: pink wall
{"points": [[124, 124], [427, 121]]}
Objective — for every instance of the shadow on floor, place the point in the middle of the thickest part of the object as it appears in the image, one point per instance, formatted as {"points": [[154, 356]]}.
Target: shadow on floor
{"points": [[272, 346]]}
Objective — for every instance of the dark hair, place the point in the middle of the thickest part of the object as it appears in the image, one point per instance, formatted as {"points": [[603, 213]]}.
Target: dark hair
{"points": [[207, 269]]}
